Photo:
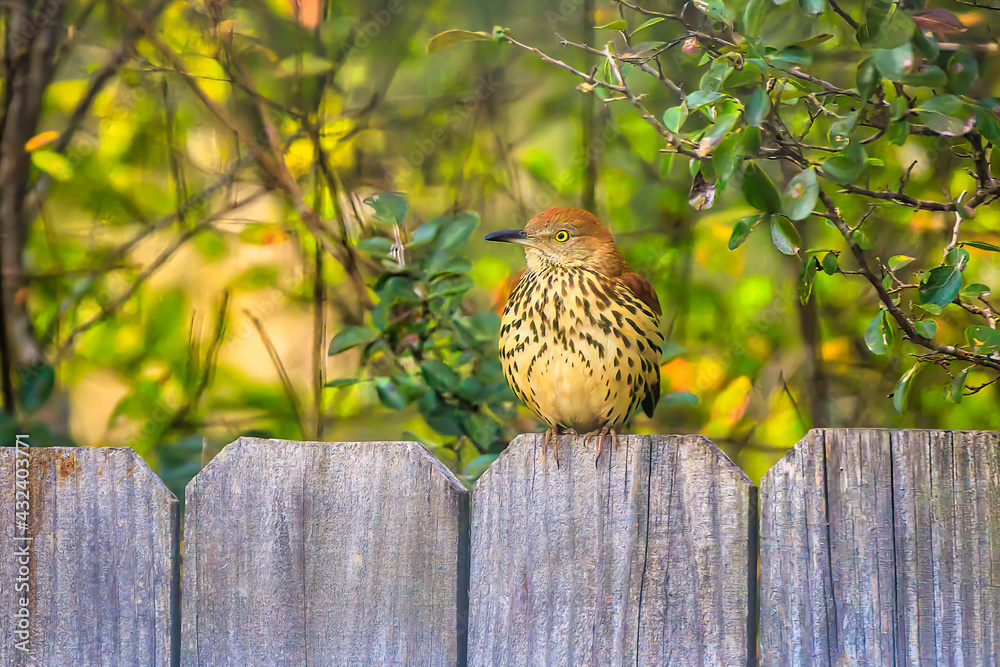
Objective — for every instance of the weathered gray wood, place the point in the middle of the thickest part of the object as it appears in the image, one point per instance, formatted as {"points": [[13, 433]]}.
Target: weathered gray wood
{"points": [[649, 558], [302, 553], [882, 548], [103, 563]]}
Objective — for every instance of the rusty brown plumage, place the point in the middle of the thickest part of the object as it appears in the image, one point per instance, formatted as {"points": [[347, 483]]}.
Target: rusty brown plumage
{"points": [[579, 341]]}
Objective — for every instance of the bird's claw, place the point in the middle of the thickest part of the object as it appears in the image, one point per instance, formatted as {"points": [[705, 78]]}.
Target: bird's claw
{"points": [[553, 434], [604, 432]]}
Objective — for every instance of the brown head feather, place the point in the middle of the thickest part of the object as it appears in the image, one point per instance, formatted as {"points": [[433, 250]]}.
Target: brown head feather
{"points": [[589, 243]]}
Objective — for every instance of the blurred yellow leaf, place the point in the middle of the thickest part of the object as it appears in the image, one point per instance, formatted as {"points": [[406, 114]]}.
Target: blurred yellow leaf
{"points": [[54, 164], [729, 407]]}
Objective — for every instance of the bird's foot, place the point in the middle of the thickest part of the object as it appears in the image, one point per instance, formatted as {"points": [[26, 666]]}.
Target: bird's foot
{"points": [[550, 434], [600, 435]]}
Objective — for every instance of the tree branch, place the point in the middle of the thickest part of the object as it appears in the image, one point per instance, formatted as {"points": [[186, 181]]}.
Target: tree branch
{"points": [[902, 320]]}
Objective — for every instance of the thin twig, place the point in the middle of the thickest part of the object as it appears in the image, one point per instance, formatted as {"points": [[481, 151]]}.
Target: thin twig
{"points": [[844, 15], [286, 382], [160, 260]]}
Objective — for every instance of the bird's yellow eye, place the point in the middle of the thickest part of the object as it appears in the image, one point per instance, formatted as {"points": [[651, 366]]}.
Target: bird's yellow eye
{"points": [[562, 236]]}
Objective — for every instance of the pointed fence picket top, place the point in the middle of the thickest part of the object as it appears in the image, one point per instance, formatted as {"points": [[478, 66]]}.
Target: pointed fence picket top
{"points": [[647, 558], [102, 565], [882, 548], [325, 554]]}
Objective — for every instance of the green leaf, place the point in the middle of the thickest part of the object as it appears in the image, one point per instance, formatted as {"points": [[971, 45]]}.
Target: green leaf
{"points": [[983, 338], [389, 207], [982, 245], [928, 77], [750, 137], [957, 257], [793, 55], [35, 386], [926, 44], [963, 70], [614, 25], [375, 245], [450, 38], [716, 74], [940, 286], [894, 63], [784, 235], [975, 290], [700, 98], [342, 382], [830, 264], [901, 393], [439, 376], [897, 108], [926, 328], [875, 335], [389, 394], [947, 115], [679, 399], [807, 276], [957, 387], [759, 190], [742, 229], [721, 128], [898, 132], [749, 75], [54, 164], [929, 308], [349, 337], [840, 130], [800, 195], [651, 22], [456, 229], [847, 166], [813, 8], [867, 78], [674, 117], [885, 26], [451, 285], [753, 16], [989, 126], [304, 64], [425, 233], [899, 261], [477, 466], [758, 107], [727, 158]]}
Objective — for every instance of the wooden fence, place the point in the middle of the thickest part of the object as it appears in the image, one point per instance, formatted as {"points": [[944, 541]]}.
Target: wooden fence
{"points": [[875, 548]]}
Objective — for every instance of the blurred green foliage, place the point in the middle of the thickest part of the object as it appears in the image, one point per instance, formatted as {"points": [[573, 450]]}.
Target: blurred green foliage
{"points": [[196, 244]]}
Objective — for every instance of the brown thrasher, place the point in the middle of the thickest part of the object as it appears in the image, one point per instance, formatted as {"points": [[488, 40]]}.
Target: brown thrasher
{"points": [[580, 335]]}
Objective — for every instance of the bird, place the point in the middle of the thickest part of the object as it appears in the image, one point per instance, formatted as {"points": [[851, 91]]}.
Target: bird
{"points": [[580, 341]]}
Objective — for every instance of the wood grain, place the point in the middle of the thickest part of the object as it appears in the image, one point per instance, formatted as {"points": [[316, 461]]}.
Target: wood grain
{"points": [[882, 548], [104, 565], [647, 558], [302, 553]]}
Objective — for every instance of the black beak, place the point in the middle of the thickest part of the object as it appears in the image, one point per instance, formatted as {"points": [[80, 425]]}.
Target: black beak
{"points": [[508, 236]]}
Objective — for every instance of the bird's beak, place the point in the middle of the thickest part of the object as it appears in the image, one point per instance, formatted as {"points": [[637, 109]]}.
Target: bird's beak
{"points": [[509, 236]]}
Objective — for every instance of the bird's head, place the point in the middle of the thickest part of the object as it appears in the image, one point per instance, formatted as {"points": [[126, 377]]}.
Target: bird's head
{"points": [[566, 237]]}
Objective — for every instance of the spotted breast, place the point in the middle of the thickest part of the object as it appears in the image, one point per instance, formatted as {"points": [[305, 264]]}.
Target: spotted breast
{"points": [[580, 349]]}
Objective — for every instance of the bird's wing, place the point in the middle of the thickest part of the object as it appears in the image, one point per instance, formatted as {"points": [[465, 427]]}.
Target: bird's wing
{"points": [[645, 293], [643, 290]]}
